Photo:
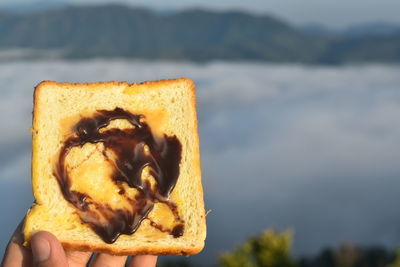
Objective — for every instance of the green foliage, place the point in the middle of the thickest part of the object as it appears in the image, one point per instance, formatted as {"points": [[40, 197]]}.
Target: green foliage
{"points": [[348, 255], [271, 249], [396, 262]]}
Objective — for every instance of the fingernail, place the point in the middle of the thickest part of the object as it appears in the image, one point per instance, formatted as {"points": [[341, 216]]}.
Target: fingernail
{"points": [[40, 250]]}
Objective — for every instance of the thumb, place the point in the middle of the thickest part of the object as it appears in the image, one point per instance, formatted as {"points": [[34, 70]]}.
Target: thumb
{"points": [[47, 251]]}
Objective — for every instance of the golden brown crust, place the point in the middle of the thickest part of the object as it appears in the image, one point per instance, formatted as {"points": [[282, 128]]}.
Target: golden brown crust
{"points": [[107, 248], [96, 85], [197, 146], [143, 250]]}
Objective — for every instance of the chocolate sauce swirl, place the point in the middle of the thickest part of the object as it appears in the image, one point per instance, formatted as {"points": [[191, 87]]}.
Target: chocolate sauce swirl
{"points": [[134, 149]]}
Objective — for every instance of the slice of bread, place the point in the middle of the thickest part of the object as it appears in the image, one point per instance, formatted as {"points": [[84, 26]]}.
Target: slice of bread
{"points": [[77, 194]]}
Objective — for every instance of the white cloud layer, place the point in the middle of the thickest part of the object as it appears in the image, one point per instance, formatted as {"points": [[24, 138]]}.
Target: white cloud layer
{"points": [[312, 148]]}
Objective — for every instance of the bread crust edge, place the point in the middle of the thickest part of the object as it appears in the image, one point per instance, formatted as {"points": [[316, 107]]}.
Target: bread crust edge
{"points": [[143, 250]]}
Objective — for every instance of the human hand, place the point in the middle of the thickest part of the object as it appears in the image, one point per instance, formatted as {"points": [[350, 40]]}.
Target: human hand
{"points": [[47, 251]]}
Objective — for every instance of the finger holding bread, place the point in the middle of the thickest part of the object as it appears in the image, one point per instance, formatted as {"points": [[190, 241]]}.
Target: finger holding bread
{"points": [[143, 261], [102, 260], [47, 251], [78, 258], [16, 255]]}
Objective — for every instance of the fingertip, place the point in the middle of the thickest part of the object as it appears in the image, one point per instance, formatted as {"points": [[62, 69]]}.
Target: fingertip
{"points": [[16, 254], [47, 250], [43, 235], [143, 261], [40, 245]]}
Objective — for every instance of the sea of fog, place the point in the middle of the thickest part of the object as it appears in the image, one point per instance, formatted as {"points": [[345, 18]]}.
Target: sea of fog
{"points": [[311, 148]]}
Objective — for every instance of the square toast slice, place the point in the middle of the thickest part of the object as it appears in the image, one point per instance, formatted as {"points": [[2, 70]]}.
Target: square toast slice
{"points": [[116, 167]]}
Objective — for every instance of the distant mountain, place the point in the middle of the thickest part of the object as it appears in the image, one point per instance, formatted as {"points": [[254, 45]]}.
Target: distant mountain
{"points": [[35, 6], [315, 29], [353, 31], [373, 28], [199, 35]]}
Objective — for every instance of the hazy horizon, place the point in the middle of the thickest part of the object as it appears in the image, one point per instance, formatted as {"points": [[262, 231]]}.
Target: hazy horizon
{"points": [[335, 15]]}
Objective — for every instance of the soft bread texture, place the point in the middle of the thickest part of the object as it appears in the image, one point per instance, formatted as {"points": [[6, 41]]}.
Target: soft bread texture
{"points": [[170, 107]]}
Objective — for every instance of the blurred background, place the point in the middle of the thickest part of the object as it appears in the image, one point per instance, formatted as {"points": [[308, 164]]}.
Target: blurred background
{"points": [[298, 105]]}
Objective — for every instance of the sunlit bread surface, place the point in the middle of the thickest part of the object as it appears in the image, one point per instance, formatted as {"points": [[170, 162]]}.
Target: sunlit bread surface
{"points": [[169, 107]]}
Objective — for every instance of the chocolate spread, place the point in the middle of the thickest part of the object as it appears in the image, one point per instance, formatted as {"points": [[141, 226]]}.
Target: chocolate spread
{"points": [[162, 157]]}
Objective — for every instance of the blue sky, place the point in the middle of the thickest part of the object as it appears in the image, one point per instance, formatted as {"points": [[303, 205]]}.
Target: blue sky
{"points": [[338, 13]]}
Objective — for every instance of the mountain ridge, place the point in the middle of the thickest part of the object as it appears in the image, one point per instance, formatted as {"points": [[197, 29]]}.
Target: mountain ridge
{"points": [[116, 30]]}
